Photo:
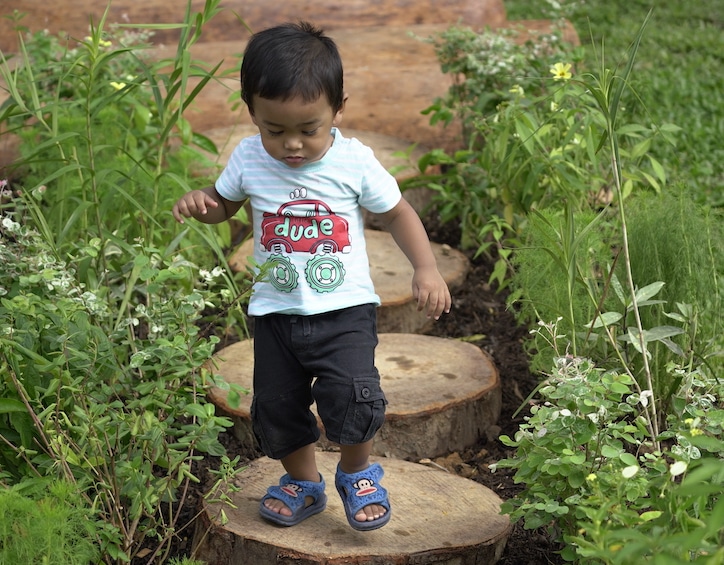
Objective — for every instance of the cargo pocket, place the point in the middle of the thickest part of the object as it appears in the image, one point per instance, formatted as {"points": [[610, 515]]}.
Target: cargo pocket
{"points": [[367, 412]]}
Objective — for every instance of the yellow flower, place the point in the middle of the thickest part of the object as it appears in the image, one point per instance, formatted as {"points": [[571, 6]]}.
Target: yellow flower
{"points": [[561, 71], [118, 85], [591, 478]]}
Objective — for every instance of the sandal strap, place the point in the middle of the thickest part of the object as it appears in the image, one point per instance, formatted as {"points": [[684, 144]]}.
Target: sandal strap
{"points": [[362, 488], [292, 492]]}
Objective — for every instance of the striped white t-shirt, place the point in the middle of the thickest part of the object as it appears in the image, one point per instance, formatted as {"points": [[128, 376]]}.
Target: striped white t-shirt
{"points": [[307, 224]]}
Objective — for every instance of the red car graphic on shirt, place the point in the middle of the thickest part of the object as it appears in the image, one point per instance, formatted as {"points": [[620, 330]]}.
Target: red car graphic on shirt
{"points": [[307, 226]]}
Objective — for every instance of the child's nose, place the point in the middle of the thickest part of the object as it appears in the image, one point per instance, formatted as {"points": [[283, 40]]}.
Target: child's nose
{"points": [[292, 142]]}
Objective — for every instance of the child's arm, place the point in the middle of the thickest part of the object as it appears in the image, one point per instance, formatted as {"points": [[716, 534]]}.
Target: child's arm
{"points": [[205, 205], [428, 286]]}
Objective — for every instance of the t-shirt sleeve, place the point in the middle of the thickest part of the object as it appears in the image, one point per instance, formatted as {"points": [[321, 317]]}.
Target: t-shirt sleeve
{"points": [[229, 183], [380, 191]]}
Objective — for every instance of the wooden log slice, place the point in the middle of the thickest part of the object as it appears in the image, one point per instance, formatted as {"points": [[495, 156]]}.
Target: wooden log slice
{"points": [[74, 17], [442, 394], [437, 517], [390, 75], [391, 275]]}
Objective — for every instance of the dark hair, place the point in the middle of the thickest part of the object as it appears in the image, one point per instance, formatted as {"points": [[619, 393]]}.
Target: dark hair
{"points": [[292, 60]]}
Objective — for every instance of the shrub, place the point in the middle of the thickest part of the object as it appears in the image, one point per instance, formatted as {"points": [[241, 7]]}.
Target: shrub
{"points": [[46, 522], [104, 338], [595, 475], [107, 397]]}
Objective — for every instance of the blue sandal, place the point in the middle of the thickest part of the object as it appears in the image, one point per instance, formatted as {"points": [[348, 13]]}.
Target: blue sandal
{"points": [[362, 489], [292, 493]]}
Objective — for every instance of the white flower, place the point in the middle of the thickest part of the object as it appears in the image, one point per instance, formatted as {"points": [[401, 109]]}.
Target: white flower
{"points": [[645, 395], [8, 224]]}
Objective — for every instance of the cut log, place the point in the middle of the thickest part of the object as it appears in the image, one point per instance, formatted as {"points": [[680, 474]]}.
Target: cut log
{"points": [[392, 276], [391, 75], [443, 394], [437, 518], [74, 18]]}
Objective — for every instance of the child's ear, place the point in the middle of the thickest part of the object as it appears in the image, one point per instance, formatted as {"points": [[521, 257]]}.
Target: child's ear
{"points": [[338, 115]]}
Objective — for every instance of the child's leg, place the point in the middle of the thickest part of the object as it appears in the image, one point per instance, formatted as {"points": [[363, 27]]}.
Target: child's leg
{"points": [[301, 465], [355, 458]]}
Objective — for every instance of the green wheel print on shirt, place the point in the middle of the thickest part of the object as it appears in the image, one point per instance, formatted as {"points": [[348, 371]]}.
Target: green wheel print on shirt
{"points": [[282, 274], [324, 273]]}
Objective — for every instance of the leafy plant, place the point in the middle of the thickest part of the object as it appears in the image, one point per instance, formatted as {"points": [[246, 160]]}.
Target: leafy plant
{"points": [[45, 522], [105, 323], [591, 473], [532, 142], [623, 453], [679, 76], [104, 140], [112, 402]]}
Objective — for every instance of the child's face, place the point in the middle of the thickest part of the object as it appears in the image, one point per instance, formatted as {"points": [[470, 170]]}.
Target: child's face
{"points": [[293, 131]]}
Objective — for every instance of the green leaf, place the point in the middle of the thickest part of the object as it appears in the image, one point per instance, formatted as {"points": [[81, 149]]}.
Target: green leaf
{"points": [[649, 291], [204, 143], [196, 410], [605, 319], [11, 405], [658, 169], [650, 515], [610, 452], [659, 333]]}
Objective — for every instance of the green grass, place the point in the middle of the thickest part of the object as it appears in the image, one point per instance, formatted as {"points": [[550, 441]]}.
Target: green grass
{"points": [[678, 77]]}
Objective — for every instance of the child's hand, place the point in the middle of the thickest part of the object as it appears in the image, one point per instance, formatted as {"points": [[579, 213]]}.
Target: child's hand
{"points": [[193, 204], [430, 289]]}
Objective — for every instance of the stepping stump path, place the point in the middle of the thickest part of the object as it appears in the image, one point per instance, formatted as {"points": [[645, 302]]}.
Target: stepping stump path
{"points": [[437, 518], [443, 394]]}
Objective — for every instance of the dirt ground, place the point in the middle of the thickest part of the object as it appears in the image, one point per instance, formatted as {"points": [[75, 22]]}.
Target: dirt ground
{"points": [[477, 310]]}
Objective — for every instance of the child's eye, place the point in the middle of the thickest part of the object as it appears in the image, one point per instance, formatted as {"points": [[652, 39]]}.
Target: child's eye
{"points": [[274, 133], [312, 132]]}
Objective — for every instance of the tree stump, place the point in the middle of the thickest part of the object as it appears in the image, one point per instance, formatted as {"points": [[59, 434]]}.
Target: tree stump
{"points": [[391, 275], [443, 394], [330, 14], [437, 518], [391, 75]]}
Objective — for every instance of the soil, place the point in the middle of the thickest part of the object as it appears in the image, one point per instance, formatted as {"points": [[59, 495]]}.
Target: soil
{"points": [[478, 310]]}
